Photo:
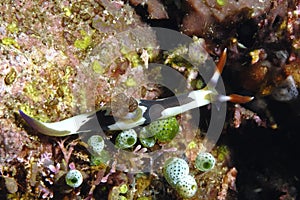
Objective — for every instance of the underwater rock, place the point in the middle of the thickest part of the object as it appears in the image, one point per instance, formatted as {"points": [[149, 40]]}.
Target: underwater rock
{"points": [[203, 17], [286, 91], [155, 8]]}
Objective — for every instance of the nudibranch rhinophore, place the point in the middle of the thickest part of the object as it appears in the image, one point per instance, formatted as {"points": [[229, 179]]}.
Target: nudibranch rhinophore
{"points": [[146, 111]]}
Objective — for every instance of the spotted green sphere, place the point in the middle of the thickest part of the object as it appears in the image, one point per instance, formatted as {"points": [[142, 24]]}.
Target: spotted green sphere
{"points": [[146, 139], [164, 130], [96, 142], [174, 169], [74, 178], [148, 142], [126, 139], [205, 162], [186, 186]]}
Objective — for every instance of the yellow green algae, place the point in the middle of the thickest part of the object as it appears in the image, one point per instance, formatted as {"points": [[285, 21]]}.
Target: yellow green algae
{"points": [[10, 41], [192, 145], [130, 82], [85, 41], [123, 189], [223, 153], [221, 2], [118, 192], [97, 67], [10, 76], [68, 11], [133, 58], [51, 91], [13, 28]]}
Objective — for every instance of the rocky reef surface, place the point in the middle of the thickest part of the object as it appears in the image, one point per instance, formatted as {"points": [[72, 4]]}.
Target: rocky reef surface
{"points": [[62, 58]]}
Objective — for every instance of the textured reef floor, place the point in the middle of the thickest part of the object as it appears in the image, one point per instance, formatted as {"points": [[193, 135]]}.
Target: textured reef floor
{"points": [[59, 59]]}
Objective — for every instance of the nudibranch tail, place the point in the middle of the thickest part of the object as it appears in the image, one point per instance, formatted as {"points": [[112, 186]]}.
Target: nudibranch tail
{"points": [[62, 128]]}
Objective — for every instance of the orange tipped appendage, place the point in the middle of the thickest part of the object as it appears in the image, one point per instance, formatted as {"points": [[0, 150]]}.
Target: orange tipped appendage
{"points": [[235, 98], [220, 66], [222, 61]]}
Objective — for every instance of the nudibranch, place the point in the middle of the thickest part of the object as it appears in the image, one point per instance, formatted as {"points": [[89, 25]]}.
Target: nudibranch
{"points": [[145, 112]]}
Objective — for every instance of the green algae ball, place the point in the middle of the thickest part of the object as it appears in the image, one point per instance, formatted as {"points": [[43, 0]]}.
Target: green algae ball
{"points": [[148, 142], [126, 139], [205, 162], [123, 189], [74, 178], [164, 130], [96, 142], [122, 198], [103, 157], [146, 139], [186, 186], [174, 169]]}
